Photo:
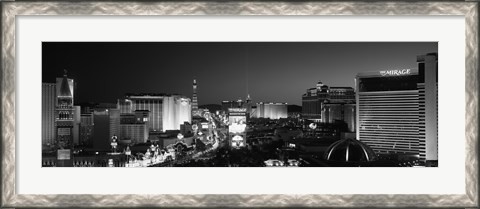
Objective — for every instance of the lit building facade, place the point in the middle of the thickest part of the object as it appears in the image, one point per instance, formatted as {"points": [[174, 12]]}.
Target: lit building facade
{"points": [[271, 110], [166, 112], [152, 103], [237, 124], [333, 112], [124, 105], [247, 104], [64, 113], [177, 110], [135, 132], [86, 129], [48, 113], [142, 116], [314, 100], [195, 99], [76, 124], [232, 104], [139, 116], [134, 127], [397, 110], [114, 122]]}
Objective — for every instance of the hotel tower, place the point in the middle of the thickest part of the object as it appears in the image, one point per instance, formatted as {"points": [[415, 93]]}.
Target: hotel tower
{"points": [[195, 99], [397, 110], [64, 112]]}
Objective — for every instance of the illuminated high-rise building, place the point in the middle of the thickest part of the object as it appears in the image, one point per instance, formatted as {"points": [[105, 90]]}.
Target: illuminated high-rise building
{"points": [[271, 110], [86, 129], [166, 112], [64, 112], [239, 103], [314, 100], [195, 99], [152, 103], [134, 133], [124, 105], [231, 104], [114, 122], [134, 127], [176, 110], [397, 110], [237, 123], [76, 124], [48, 113]]}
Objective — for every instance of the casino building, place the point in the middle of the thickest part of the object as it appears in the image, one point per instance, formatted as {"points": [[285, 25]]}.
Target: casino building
{"points": [[330, 104], [64, 113], [166, 111], [195, 110], [270, 110], [48, 113], [397, 110], [237, 123]]}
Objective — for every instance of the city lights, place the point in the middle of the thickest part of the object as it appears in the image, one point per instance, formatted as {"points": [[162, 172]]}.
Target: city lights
{"points": [[210, 108]]}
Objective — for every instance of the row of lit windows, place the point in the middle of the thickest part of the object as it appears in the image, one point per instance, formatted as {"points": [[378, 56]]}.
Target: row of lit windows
{"points": [[389, 121], [391, 142], [387, 134], [155, 108], [403, 147], [389, 126]]}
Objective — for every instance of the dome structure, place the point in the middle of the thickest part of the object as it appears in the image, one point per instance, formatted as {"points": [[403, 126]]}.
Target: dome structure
{"points": [[349, 150]]}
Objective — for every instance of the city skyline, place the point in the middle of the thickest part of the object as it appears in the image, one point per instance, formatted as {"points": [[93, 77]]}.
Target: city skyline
{"points": [[386, 117], [268, 71]]}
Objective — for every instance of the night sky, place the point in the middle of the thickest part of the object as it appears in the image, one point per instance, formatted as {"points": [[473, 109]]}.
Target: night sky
{"points": [[269, 71]]}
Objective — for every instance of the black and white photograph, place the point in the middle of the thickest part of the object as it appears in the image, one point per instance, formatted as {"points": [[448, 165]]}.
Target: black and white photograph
{"points": [[239, 104]]}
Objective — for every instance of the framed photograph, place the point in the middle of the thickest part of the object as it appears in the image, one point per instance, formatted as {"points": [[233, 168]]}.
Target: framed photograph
{"points": [[239, 104]]}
